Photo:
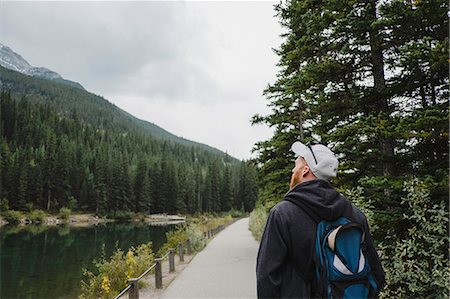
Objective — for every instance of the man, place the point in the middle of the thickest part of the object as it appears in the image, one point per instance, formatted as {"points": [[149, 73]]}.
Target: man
{"points": [[285, 263]]}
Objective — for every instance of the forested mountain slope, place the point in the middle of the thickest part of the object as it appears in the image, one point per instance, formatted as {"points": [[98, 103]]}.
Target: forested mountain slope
{"points": [[64, 147], [91, 108]]}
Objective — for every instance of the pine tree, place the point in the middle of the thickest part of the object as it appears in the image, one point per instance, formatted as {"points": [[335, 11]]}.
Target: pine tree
{"points": [[49, 170], [22, 181], [169, 186], [4, 169], [226, 192], [198, 199], [185, 188], [8, 115], [142, 188], [248, 187], [333, 87], [156, 184], [214, 183], [97, 182], [370, 80], [34, 184]]}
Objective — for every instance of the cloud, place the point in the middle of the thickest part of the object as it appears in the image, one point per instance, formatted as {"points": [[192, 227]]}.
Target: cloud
{"points": [[99, 43], [218, 124], [201, 65]]}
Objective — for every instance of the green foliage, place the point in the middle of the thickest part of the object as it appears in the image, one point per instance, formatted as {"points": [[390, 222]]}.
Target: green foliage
{"points": [[196, 237], [332, 88], [64, 213], [37, 216], [194, 231], [175, 237], [248, 187], [209, 223], [257, 222], [120, 215], [417, 263], [237, 213], [356, 196], [29, 207], [370, 79], [4, 205], [113, 273], [72, 203], [12, 217]]}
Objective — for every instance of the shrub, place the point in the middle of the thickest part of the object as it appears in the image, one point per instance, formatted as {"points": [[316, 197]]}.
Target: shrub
{"points": [[120, 215], [211, 223], [37, 216], [196, 237], [64, 213], [417, 264], [237, 213], [29, 207], [194, 232], [72, 203], [4, 205], [113, 274], [173, 239], [257, 221], [356, 196], [144, 257], [12, 217]]}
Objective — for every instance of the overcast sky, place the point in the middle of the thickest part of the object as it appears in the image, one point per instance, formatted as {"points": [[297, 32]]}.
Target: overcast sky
{"points": [[196, 69]]}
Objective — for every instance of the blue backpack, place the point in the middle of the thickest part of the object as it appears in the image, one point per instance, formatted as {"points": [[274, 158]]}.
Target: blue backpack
{"points": [[342, 268]]}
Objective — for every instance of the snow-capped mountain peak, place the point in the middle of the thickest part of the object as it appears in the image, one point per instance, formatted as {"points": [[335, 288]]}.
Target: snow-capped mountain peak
{"points": [[13, 61]]}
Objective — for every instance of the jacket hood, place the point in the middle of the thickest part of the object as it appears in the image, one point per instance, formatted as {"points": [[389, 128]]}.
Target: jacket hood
{"points": [[318, 199]]}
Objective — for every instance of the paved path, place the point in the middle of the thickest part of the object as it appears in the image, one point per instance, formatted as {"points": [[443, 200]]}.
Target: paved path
{"points": [[224, 269]]}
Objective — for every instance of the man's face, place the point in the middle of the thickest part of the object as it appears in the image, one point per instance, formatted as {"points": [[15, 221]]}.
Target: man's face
{"points": [[298, 172]]}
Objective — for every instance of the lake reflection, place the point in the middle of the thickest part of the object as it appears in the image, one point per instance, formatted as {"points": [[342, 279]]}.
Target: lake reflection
{"points": [[47, 262]]}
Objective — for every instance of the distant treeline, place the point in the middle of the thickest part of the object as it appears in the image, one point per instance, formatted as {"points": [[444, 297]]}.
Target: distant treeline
{"points": [[51, 160]]}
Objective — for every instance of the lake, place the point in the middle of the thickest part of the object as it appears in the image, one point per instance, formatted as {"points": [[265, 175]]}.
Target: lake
{"points": [[47, 262]]}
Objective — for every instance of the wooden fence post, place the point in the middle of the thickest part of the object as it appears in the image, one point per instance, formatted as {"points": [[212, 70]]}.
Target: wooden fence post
{"points": [[180, 252], [158, 274], [171, 260], [134, 291]]}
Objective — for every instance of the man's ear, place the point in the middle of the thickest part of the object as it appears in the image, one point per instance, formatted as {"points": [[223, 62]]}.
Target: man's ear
{"points": [[305, 170]]}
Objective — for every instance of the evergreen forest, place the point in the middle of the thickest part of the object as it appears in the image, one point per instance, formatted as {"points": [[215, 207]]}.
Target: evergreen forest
{"points": [[64, 147], [370, 79]]}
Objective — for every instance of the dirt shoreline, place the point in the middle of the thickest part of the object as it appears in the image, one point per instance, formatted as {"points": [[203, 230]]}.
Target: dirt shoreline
{"points": [[86, 220]]}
